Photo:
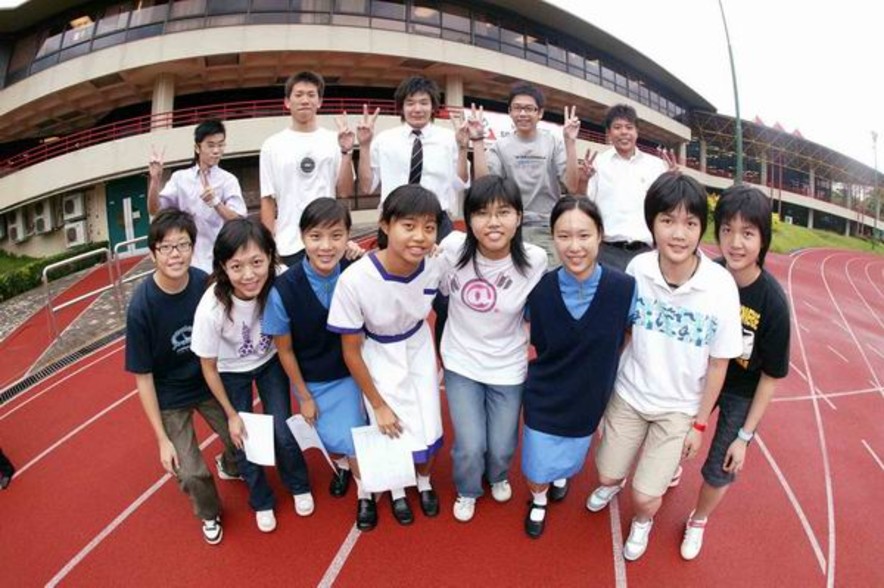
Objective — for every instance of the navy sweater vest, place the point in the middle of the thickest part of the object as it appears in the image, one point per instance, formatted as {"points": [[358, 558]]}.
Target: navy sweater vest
{"points": [[570, 381], [317, 349]]}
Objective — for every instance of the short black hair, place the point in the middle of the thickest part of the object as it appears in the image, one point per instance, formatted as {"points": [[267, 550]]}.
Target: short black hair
{"points": [[325, 212], [410, 200], [415, 85], [581, 203], [310, 77], [204, 129], [526, 89], [484, 192], [169, 219], [752, 206], [623, 111], [671, 191]]}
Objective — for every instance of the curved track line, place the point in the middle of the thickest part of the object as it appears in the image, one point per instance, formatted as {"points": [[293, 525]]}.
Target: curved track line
{"points": [[827, 471], [871, 281], [65, 378], [61, 441], [858, 293], [864, 391]]}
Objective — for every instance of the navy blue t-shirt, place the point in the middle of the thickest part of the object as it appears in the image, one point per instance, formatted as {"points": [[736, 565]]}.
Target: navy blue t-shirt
{"points": [[158, 330]]}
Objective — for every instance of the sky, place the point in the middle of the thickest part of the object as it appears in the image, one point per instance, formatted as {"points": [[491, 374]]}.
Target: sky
{"points": [[814, 66]]}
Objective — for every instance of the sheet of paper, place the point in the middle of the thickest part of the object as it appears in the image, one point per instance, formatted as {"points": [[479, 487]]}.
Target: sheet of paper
{"points": [[384, 463], [258, 444], [307, 437]]}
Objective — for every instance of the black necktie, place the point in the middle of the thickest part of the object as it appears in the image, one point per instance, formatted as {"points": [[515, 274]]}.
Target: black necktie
{"points": [[417, 159]]}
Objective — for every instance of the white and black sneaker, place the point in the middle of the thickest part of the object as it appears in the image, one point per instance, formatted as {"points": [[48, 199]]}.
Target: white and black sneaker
{"points": [[212, 531]]}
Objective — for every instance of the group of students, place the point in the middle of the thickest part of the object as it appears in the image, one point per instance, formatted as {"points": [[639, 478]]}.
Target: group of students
{"points": [[649, 352]]}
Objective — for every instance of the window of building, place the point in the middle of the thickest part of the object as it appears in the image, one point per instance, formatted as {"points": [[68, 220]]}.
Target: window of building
{"points": [[227, 6], [608, 79], [425, 19], [187, 8], [270, 5], [388, 15]]}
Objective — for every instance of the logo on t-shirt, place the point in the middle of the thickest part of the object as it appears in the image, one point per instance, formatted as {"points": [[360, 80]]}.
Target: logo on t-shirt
{"points": [[307, 165], [181, 339], [248, 347], [479, 295]]}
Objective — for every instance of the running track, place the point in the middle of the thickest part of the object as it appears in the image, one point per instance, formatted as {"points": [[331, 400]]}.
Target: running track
{"points": [[91, 506]]}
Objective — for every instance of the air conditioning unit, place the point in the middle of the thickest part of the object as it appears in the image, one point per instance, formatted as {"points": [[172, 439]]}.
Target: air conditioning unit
{"points": [[44, 216], [788, 219], [15, 225], [73, 207], [75, 233]]}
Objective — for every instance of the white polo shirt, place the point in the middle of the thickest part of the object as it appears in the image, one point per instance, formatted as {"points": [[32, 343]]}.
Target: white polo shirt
{"points": [[297, 168], [674, 333], [618, 188], [391, 162]]}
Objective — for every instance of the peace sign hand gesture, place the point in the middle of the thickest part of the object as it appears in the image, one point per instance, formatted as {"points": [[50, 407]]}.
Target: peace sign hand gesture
{"points": [[346, 136], [571, 128], [155, 164], [476, 123], [585, 168], [365, 127], [668, 156]]}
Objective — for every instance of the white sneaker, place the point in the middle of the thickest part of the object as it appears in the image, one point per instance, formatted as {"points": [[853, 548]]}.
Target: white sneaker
{"points": [[501, 491], [601, 496], [212, 531], [304, 504], [693, 538], [637, 542], [266, 520], [464, 508]]}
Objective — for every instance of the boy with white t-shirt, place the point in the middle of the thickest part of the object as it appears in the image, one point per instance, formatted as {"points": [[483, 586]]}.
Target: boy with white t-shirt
{"points": [[302, 163], [686, 329]]}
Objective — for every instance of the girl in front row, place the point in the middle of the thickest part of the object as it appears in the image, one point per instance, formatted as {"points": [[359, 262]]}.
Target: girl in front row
{"points": [[385, 298], [485, 343], [579, 317], [296, 317], [235, 354]]}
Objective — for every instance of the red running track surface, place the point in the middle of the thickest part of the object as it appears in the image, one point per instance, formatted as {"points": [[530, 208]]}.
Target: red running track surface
{"points": [[92, 507]]}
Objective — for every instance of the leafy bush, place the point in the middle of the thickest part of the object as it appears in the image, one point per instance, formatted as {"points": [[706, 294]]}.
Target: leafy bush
{"points": [[29, 276]]}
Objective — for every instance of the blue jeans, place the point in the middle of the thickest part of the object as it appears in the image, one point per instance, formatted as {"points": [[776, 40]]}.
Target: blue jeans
{"points": [[273, 389], [486, 426]]}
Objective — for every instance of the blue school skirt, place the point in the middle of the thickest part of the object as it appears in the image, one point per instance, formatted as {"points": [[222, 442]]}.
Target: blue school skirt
{"points": [[340, 407], [546, 458]]}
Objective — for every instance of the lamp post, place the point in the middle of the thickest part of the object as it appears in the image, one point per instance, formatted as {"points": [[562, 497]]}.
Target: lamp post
{"points": [[738, 135]]}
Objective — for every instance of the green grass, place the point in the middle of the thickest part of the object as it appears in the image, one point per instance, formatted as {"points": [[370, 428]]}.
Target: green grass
{"points": [[788, 238], [11, 262]]}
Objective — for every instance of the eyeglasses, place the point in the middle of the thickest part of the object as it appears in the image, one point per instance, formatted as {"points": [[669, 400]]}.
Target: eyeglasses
{"points": [[526, 108], [167, 248]]}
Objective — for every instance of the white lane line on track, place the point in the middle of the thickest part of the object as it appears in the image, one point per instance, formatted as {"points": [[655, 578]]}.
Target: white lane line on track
{"points": [[872, 390], [64, 379], [874, 455], [835, 351], [61, 441], [876, 351], [821, 433], [837, 323], [870, 310], [337, 564], [811, 306], [873, 281], [798, 371], [825, 397], [803, 328], [802, 518], [617, 543], [119, 520]]}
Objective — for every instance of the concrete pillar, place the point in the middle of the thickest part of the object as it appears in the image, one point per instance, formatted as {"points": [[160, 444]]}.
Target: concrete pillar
{"points": [[682, 154], [763, 179], [847, 228], [703, 156], [809, 218], [454, 91], [811, 176], [163, 101]]}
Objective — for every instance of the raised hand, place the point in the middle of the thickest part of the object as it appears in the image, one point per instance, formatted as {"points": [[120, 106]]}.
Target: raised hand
{"points": [[346, 136], [668, 156], [208, 194], [571, 128], [461, 128], [585, 167], [365, 127], [155, 164], [476, 123]]}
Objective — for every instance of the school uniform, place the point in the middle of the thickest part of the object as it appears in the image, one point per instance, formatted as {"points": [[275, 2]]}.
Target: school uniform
{"points": [[577, 329], [391, 311], [298, 306]]}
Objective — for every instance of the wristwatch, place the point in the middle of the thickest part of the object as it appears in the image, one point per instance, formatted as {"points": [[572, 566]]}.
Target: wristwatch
{"points": [[742, 435]]}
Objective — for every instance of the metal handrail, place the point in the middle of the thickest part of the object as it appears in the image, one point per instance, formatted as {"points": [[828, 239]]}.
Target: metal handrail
{"points": [[51, 310], [120, 279]]}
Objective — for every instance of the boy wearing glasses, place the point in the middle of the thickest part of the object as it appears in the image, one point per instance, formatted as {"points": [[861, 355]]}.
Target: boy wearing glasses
{"points": [[209, 193], [168, 375]]}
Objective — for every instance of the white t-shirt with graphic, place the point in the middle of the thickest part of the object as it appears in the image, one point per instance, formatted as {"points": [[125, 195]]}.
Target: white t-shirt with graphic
{"points": [[485, 338], [236, 341]]}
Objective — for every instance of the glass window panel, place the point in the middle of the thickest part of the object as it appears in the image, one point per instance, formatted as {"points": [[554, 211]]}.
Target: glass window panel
{"points": [[186, 8], [390, 10], [148, 15], [422, 29], [270, 5], [621, 82], [458, 36], [512, 50], [77, 35], [50, 45], [109, 24], [486, 29], [269, 18], [144, 32], [16, 76], [592, 66], [350, 21], [536, 57], [351, 6], [44, 63], [556, 53], [487, 43], [311, 18], [425, 14], [228, 6], [536, 44], [575, 59], [114, 39], [575, 71], [388, 25], [456, 18], [75, 51], [226, 20], [312, 5], [608, 75], [511, 37], [559, 65], [592, 77]]}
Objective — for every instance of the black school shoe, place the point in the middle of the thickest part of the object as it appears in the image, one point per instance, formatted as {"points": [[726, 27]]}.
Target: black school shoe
{"points": [[402, 511], [557, 494], [430, 502], [7, 470], [340, 483], [534, 529], [366, 514]]}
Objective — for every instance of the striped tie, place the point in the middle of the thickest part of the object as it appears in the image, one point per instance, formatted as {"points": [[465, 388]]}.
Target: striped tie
{"points": [[417, 159]]}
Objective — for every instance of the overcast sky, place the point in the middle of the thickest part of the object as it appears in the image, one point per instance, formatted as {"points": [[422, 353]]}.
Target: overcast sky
{"points": [[806, 65]]}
